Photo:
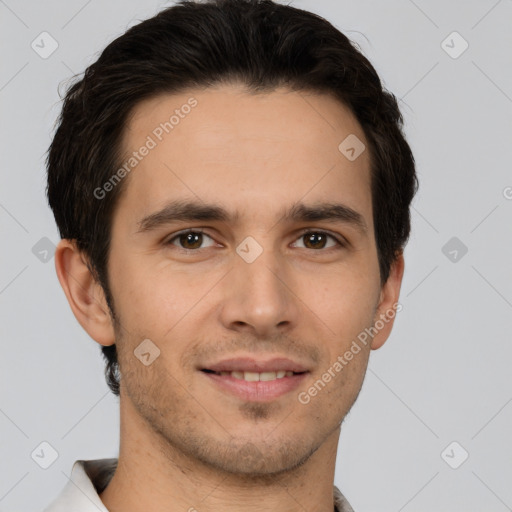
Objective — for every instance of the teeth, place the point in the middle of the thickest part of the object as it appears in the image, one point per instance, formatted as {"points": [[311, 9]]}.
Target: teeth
{"points": [[255, 376]]}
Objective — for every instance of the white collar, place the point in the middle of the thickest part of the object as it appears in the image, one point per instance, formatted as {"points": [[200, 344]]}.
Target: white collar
{"points": [[80, 494]]}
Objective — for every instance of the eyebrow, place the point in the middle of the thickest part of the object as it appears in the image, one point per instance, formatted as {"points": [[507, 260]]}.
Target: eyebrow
{"points": [[182, 210]]}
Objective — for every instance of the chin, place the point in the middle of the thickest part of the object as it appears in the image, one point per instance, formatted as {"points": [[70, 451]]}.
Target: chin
{"points": [[257, 459]]}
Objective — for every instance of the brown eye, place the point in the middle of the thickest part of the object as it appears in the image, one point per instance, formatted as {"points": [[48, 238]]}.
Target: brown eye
{"points": [[188, 240], [191, 240], [318, 240]]}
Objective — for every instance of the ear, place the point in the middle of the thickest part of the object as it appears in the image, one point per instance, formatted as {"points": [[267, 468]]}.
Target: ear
{"points": [[388, 305], [85, 295]]}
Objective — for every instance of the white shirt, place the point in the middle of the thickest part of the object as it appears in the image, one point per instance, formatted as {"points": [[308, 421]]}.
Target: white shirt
{"points": [[90, 477]]}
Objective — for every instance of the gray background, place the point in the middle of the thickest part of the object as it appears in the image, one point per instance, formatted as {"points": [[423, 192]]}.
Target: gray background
{"points": [[445, 373]]}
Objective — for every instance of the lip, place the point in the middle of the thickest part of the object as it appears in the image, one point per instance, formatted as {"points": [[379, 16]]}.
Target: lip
{"points": [[248, 364], [259, 391]]}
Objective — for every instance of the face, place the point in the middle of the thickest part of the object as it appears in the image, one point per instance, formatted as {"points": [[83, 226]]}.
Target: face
{"points": [[243, 248]]}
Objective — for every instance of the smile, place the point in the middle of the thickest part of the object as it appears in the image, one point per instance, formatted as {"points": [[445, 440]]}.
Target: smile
{"points": [[256, 376], [255, 386]]}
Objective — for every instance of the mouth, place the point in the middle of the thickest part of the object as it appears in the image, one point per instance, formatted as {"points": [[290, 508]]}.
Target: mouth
{"points": [[256, 381], [256, 376]]}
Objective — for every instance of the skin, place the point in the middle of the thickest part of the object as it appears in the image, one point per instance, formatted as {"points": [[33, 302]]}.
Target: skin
{"points": [[185, 443]]}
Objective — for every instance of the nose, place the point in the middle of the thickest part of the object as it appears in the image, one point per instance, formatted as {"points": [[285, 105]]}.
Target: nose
{"points": [[258, 296]]}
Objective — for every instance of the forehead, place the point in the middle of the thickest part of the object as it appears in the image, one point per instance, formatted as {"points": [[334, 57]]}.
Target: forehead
{"points": [[252, 153]]}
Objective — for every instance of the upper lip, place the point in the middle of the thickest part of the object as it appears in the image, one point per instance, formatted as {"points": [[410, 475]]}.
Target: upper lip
{"points": [[248, 364]]}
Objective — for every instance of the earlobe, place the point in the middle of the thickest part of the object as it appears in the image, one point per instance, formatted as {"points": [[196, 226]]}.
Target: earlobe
{"points": [[85, 295], [388, 304]]}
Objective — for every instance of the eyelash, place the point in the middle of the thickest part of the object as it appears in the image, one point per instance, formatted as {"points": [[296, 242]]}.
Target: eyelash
{"points": [[340, 243]]}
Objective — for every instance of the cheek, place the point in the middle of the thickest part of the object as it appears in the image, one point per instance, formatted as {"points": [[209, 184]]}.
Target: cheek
{"points": [[334, 390], [151, 299], [346, 304]]}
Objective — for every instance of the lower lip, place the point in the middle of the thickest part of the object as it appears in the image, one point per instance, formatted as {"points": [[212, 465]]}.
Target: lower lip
{"points": [[259, 391]]}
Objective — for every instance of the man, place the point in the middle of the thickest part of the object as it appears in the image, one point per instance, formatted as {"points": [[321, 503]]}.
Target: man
{"points": [[232, 189]]}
